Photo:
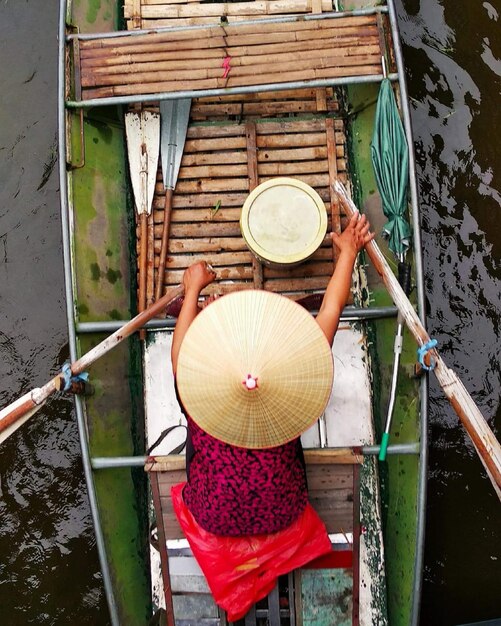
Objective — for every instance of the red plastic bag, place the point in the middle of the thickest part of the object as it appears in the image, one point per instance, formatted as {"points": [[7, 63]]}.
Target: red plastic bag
{"points": [[242, 570]]}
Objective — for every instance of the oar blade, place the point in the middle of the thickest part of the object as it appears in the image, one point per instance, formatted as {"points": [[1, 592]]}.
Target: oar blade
{"points": [[143, 147], [486, 444], [175, 115]]}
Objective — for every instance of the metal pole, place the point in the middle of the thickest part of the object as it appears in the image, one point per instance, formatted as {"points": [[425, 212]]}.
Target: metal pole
{"points": [[349, 314], [112, 462], [202, 93], [118, 461], [70, 314], [397, 448]]}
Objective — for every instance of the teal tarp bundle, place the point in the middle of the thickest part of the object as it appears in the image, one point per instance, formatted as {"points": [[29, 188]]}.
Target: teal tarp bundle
{"points": [[390, 159]]}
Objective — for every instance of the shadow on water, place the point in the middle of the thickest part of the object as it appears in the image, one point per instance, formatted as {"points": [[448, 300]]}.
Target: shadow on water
{"points": [[49, 570], [48, 566], [453, 57]]}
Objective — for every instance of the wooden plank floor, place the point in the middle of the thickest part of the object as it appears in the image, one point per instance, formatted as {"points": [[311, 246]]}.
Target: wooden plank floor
{"points": [[164, 13]]}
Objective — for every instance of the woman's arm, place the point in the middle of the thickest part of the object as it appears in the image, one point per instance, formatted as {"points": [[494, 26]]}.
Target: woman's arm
{"points": [[195, 278], [354, 237]]}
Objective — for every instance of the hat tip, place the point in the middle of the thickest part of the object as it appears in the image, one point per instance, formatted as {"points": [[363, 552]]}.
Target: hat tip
{"points": [[250, 382]]}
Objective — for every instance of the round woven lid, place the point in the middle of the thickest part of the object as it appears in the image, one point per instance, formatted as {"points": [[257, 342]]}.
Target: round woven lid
{"points": [[283, 221], [254, 369]]}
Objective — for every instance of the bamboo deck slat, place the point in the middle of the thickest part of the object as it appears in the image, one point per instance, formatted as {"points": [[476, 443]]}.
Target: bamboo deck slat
{"points": [[191, 60], [153, 14], [219, 9]]}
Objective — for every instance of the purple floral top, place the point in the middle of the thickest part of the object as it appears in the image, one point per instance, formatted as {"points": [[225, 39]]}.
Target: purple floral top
{"points": [[240, 491]]}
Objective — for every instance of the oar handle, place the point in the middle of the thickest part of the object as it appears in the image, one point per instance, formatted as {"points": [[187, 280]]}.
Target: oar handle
{"points": [[35, 398], [485, 442], [169, 192]]}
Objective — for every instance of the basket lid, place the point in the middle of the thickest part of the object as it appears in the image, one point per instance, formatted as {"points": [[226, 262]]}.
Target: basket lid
{"points": [[283, 221], [254, 369]]}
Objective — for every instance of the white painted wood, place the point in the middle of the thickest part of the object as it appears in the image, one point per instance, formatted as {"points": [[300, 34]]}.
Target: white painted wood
{"points": [[143, 143], [162, 408], [195, 609], [348, 416], [349, 412], [186, 575], [157, 585]]}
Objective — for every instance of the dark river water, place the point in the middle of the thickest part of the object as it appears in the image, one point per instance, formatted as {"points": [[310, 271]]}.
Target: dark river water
{"points": [[49, 572]]}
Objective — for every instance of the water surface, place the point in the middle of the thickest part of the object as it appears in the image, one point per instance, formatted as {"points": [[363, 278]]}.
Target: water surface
{"points": [[48, 564], [453, 57]]}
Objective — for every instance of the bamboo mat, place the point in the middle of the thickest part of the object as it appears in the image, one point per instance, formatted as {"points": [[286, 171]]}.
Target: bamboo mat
{"points": [[231, 55], [235, 142], [222, 162]]}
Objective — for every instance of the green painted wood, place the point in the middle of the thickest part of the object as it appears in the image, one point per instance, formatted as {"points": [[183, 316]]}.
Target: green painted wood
{"points": [[326, 597], [103, 238], [399, 474]]}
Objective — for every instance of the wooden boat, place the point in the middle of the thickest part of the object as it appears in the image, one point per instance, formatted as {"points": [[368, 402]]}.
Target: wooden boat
{"points": [[276, 89]]}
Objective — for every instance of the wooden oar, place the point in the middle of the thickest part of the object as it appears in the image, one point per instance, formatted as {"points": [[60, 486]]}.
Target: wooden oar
{"points": [[483, 438], [22, 409], [175, 115], [143, 145]]}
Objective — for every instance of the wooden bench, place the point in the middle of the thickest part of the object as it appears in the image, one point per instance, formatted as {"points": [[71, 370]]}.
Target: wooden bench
{"points": [[333, 485], [228, 56]]}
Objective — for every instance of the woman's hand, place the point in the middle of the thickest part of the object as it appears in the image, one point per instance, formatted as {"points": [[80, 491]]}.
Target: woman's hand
{"points": [[355, 236], [195, 278], [198, 276]]}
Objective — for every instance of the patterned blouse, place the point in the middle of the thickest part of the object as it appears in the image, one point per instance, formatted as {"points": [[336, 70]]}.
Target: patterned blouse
{"points": [[240, 491]]}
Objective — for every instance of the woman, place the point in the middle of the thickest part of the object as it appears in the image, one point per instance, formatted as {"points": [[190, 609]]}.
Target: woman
{"points": [[236, 491]]}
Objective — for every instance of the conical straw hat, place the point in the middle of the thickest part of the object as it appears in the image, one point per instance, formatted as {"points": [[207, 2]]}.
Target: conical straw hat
{"points": [[254, 369]]}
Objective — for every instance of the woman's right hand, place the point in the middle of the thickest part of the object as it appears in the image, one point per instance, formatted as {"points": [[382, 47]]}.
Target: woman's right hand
{"points": [[355, 236], [198, 276]]}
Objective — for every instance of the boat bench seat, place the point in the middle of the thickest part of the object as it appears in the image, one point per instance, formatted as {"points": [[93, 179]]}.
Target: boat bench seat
{"points": [[230, 57], [333, 477]]}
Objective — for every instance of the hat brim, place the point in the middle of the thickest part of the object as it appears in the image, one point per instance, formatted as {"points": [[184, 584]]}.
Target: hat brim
{"points": [[274, 341]]}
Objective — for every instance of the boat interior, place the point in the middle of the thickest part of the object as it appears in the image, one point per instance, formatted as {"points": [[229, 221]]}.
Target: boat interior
{"points": [[243, 65]]}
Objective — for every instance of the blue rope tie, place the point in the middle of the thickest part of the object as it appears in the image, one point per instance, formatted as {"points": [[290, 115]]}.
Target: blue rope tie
{"points": [[423, 351], [70, 378]]}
